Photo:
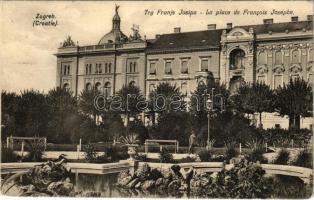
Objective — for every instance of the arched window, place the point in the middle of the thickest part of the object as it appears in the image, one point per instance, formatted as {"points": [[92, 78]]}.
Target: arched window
{"points": [[107, 89], [151, 87], [88, 86], [97, 86], [201, 83], [237, 59], [295, 56], [262, 59], [66, 86], [184, 89], [132, 83], [278, 58]]}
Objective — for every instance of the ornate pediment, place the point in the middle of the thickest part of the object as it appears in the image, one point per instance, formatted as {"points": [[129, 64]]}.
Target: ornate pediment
{"points": [[238, 33], [262, 69], [296, 68], [279, 69]]}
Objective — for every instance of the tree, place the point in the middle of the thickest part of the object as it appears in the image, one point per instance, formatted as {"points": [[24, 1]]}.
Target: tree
{"points": [[87, 105], [173, 126], [9, 105], [130, 96], [294, 99], [62, 108], [164, 99], [31, 115], [198, 100], [254, 98]]}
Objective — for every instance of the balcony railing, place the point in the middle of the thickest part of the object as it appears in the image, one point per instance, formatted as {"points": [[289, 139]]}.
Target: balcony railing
{"points": [[109, 46]]}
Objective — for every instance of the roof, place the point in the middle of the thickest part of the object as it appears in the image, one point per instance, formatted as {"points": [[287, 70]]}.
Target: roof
{"points": [[211, 38], [197, 39], [279, 27]]}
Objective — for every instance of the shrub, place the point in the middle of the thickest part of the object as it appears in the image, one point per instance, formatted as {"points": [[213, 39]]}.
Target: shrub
{"points": [[36, 151], [187, 160], [304, 159], [205, 155], [141, 157], [165, 156], [282, 158], [7, 155], [231, 151], [90, 153], [257, 155]]}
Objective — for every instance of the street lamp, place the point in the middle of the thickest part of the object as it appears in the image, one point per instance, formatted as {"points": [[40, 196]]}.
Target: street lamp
{"points": [[210, 108], [209, 104]]}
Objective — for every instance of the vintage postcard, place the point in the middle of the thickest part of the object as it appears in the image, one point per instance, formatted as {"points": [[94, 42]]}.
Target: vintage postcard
{"points": [[150, 99]]}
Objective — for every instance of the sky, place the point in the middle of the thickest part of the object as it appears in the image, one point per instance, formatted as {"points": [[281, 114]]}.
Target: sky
{"points": [[26, 56]]}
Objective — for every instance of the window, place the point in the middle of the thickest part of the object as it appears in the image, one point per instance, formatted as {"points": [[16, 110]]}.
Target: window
{"points": [[184, 67], [262, 59], [295, 57], [96, 70], [237, 59], [107, 89], [66, 86], [277, 126], [88, 68], [108, 68], [99, 68], [65, 69], [278, 58], [277, 81], [132, 67], [97, 86], [132, 83], [88, 86], [261, 79], [294, 77], [204, 65], [152, 68], [184, 89], [168, 67], [151, 87]]}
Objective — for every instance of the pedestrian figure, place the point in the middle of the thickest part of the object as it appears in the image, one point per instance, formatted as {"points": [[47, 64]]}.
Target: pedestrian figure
{"points": [[192, 142]]}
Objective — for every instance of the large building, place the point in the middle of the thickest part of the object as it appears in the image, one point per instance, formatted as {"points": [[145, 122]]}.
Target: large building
{"points": [[270, 52]]}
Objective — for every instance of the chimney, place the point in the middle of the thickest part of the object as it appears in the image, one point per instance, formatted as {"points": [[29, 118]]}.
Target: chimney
{"points": [[177, 29], [309, 17], [268, 21], [157, 36], [295, 19], [229, 25], [211, 26]]}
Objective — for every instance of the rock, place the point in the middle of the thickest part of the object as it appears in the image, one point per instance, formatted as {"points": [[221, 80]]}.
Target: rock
{"points": [[61, 188], [166, 173], [124, 181], [133, 182], [175, 171], [159, 182], [200, 180], [148, 184], [138, 185], [124, 178], [174, 185], [143, 172]]}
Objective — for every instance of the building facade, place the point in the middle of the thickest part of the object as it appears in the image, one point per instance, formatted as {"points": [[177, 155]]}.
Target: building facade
{"points": [[269, 52]]}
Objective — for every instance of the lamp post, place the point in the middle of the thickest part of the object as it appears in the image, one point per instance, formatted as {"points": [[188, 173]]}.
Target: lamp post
{"points": [[210, 108]]}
